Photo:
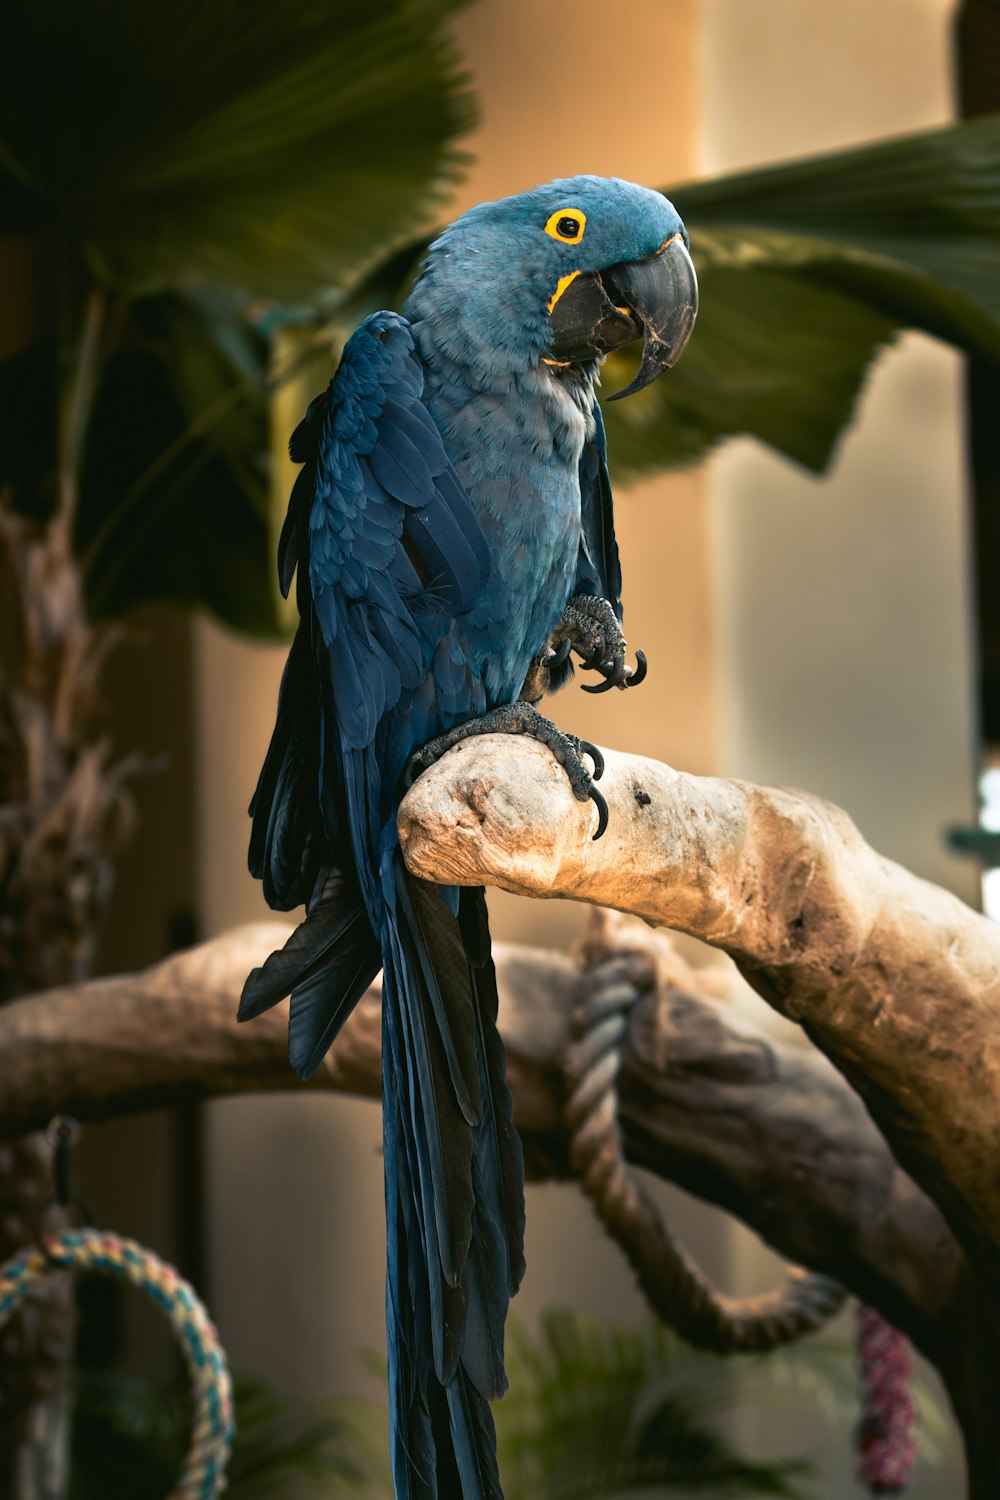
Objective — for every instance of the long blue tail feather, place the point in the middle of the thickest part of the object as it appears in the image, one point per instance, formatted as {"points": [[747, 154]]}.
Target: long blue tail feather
{"points": [[452, 1263], [327, 964], [289, 840]]}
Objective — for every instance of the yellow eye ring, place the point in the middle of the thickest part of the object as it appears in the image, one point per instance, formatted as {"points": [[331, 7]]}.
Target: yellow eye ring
{"points": [[567, 224]]}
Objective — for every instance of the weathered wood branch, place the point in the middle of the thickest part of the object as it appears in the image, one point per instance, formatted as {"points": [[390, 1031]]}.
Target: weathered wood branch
{"points": [[896, 980], [769, 1130]]}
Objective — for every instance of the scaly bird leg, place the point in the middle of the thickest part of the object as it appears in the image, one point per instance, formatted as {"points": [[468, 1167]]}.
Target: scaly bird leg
{"points": [[595, 633], [523, 718], [590, 627]]}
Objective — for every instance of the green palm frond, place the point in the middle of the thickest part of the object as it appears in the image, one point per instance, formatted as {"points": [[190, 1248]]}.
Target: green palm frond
{"points": [[174, 490], [218, 167], [168, 165], [808, 269], [601, 1412], [276, 149], [595, 1411], [130, 1435]]}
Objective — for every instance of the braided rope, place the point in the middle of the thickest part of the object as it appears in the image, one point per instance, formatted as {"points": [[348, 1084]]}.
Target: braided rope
{"points": [[204, 1474], [673, 1285]]}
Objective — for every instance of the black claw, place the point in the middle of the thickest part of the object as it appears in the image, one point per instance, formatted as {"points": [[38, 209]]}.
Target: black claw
{"points": [[558, 657], [602, 813], [586, 748], [641, 668], [410, 773], [599, 687]]}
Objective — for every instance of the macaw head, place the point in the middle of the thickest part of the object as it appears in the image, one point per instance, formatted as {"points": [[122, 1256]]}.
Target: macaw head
{"points": [[564, 274]]}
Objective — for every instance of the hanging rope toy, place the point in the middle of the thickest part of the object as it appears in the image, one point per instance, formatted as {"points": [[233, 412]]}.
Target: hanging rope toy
{"points": [[204, 1474], [617, 976], [614, 981]]}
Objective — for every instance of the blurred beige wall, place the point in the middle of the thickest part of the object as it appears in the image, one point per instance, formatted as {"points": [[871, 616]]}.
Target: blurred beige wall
{"points": [[843, 621], [842, 605], [796, 631]]}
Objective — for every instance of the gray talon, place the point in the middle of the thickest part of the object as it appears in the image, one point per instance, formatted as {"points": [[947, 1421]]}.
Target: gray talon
{"points": [[593, 631], [641, 668], [588, 749]]}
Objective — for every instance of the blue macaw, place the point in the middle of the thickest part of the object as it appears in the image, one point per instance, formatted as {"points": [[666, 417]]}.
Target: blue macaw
{"points": [[453, 534]]}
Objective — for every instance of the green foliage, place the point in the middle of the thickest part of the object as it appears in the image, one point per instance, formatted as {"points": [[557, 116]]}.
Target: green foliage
{"points": [[595, 1411], [290, 153], [601, 1411], [130, 1436], [270, 149], [807, 270], [165, 163], [774, 355], [178, 435]]}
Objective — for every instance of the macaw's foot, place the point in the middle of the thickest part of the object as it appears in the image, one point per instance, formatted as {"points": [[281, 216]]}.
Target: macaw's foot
{"points": [[522, 718], [592, 629]]}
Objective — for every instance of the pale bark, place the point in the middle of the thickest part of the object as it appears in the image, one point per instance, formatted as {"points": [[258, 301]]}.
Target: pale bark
{"points": [[896, 980], [709, 1099]]}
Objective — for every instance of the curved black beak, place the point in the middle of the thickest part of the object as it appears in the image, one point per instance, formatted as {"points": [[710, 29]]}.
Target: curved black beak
{"points": [[662, 293], [655, 299]]}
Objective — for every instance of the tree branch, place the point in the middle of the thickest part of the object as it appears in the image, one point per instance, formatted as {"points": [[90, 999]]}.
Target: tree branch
{"points": [[766, 1129], [896, 980]]}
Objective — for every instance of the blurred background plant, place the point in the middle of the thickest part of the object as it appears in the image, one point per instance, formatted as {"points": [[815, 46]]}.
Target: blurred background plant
{"points": [[130, 1435], [250, 171], [160, 167], [595, 1411]]}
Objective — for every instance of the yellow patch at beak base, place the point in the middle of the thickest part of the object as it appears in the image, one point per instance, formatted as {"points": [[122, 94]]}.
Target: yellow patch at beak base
{"points": [[561, 286]]}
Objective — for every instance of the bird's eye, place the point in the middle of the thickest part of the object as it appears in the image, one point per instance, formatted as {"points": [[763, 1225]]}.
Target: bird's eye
{"points": [[567, 224]]}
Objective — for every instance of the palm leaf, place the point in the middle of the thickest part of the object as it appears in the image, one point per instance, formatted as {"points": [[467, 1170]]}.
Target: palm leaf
{"points": [[775, 355], [240, 150], [912, 224], [174, 497], [808, 269], [600, 1412], [271, 148], [130, 1435], [595, 1411]]}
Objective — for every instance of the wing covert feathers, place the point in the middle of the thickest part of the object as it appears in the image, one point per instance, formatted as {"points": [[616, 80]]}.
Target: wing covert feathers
{"points": [[389, 556]]}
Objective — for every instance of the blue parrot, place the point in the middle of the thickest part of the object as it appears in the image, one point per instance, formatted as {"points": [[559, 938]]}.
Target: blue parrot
{"points": [[452, 532]]}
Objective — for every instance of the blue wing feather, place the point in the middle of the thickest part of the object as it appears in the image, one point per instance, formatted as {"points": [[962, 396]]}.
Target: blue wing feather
{"points": [[600, 570], [390, 559]]}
